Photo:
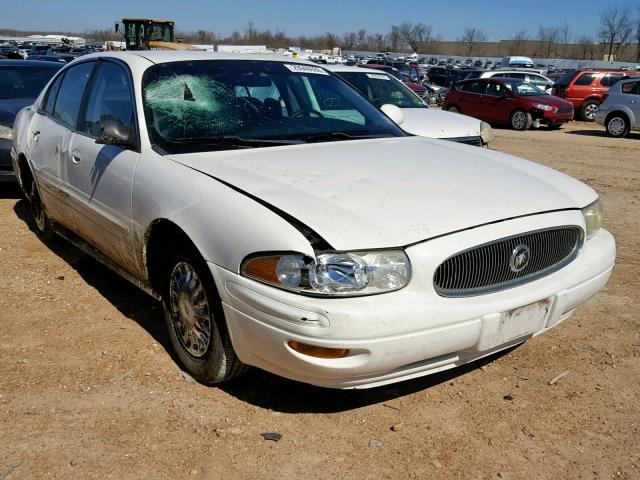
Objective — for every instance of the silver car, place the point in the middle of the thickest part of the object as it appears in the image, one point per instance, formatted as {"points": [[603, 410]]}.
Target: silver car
{"points": [[619, 113]]}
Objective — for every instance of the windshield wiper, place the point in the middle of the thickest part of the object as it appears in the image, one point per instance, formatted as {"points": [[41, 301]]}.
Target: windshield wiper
{"points": [[337, 136], [234, 141]]}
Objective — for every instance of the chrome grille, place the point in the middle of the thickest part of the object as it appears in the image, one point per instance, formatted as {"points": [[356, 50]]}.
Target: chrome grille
{"points": [[486, 268]]}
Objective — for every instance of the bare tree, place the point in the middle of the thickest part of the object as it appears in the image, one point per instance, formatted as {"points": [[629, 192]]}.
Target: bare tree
{"points": [[615, 29], [585, 48], [472, 38], [638, 37], [564, 37], [548, 38], [518, 43], [415, 35]]}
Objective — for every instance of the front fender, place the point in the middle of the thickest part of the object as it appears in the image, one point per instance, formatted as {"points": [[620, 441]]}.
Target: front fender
{"points": [[224, 225]]}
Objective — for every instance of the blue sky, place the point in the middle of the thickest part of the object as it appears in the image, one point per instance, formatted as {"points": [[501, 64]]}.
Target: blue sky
{"points": [[499, 19]]}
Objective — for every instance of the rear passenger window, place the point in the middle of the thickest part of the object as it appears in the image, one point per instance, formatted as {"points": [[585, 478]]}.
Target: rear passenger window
{"points": [[52, 94], [67, 105], [471, 87], [585, 79], [632, 88], [611, 78], [110, 97], [519, 76]]}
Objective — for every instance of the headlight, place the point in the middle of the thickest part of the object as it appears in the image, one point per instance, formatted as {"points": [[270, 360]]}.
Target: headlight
{"points": [[5, 132], [486, 132], [332, 273], [593, 216], [541, 106]]}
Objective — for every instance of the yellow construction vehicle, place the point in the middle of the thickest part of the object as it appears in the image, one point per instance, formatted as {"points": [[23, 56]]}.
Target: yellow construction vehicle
{"points": [[147, 34]]}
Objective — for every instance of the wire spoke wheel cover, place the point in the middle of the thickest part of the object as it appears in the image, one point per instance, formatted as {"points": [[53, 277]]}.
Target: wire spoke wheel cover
{"points": [[190, 312]]}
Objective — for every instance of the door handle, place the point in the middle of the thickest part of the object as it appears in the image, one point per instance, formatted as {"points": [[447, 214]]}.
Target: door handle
{"points": [[75, 156]]}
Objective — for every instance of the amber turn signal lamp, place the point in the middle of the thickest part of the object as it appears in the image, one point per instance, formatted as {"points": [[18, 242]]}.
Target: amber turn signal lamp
{"points": [[319, 352], [263, 268]]}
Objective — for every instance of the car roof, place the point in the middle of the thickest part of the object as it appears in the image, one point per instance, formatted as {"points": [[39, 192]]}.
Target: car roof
{"points": [[163, 56], [348, 68], [28, 63]]}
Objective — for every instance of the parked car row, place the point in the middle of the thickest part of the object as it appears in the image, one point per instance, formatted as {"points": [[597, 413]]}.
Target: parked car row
{"points": [[284, 222], [20, 83]]}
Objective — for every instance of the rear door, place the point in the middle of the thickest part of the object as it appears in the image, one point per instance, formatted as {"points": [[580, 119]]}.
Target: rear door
{"points": [[497, 103], [631, 98], [470, 97], [50, 135], [101, 176]]}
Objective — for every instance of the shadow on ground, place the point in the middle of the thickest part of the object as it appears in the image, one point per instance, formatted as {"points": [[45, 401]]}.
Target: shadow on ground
{"points": [[257, 387], [10, 190], [601, 133]]}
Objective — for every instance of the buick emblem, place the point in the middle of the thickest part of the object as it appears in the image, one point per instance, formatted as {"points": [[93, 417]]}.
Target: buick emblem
{"points": [[519, 258]]}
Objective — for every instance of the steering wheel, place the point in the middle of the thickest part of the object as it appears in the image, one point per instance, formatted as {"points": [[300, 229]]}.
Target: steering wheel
{"points": [[307, 111]]}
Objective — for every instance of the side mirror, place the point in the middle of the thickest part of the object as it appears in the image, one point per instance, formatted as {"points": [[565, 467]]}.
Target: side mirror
{"points": [[113, 132], [393, 112]]}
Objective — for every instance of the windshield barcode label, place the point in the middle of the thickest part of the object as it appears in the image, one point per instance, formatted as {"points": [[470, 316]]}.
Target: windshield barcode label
{"points": [[378, 76], [306, 69]]}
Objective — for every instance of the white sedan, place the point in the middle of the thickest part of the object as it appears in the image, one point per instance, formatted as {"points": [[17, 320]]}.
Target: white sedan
{"points": [[286, 223], [415, 116]]}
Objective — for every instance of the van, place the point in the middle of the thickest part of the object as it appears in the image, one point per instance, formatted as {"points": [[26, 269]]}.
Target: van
{"points": [[516, 62]]}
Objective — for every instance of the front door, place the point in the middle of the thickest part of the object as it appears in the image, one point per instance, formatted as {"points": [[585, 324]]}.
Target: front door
{"points": [[101, 176]]}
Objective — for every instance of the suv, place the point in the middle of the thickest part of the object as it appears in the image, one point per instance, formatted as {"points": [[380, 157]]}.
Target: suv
{"points": [[620, 108], [585, 89]]}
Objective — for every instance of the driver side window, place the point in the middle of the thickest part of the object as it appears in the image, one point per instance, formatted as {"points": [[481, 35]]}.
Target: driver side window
{"points": [[110, 96]]}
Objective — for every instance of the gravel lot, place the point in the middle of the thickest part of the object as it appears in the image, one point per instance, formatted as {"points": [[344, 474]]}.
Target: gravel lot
{"points": [[88, 388]]}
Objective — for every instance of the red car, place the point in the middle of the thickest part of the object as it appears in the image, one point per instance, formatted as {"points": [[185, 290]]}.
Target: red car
{"points": [[585, 89], [507, 101], [418, 89]]}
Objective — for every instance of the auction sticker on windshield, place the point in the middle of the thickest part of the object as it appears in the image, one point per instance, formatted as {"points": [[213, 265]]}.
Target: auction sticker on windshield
{"points": [[377, 76], [306, 69]]}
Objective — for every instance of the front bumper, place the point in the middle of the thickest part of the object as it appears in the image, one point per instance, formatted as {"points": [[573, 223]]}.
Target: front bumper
{"points": [[550, 118], [411, 332], [6, 168]]}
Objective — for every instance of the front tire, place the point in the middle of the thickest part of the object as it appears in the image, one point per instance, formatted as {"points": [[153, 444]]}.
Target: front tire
{"points": [[588, 110], [195, 319], [521, 120], [618, 125], [453, 109]]}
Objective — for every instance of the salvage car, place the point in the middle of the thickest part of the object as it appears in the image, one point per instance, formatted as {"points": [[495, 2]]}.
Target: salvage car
{"points": [[284, 222], [508, 101], [619, 112], [20, 83], [417, 118]]}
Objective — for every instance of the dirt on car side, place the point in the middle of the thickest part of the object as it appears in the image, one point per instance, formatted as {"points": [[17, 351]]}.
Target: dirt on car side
{"points": [[88, 388]]}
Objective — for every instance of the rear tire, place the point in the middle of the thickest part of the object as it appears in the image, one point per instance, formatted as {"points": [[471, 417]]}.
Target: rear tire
{"points": [[195, 319], [521, 120], [44, 227], [618, 125], [588, 110], [453, 109]]}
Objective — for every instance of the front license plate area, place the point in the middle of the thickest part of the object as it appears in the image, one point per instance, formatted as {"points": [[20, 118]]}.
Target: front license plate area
{"points": [[522, 321]]}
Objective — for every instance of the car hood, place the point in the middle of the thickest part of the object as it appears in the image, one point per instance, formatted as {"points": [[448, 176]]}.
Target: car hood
{"points": [[10, 107], [429, 122], [550, 100], [383, 193]]}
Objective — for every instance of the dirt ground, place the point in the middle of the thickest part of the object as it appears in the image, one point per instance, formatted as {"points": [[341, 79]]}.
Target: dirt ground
{"points": [[89, 389]]}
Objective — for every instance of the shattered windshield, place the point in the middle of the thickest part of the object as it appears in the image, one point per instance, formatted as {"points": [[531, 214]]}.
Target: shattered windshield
{"points": [[223, 104]]}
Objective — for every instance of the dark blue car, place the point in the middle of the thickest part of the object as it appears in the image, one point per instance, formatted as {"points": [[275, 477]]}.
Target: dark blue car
{"points": [[20, 84]]}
